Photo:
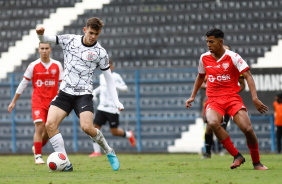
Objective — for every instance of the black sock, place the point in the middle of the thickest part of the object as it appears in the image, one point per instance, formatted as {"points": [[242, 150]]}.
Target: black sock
{"points": [[208, 142]]}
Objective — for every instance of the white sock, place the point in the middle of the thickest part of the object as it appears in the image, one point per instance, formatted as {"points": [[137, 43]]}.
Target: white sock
{"points": [[58, 145], [96, 147], [127, 134], [100, 139]]}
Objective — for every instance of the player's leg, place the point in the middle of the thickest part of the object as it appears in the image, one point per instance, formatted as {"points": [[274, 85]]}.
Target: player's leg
{"points": [[242, 120], [97, 136], [114, 123], [54, 118], [96, 147], [215, 119], [208, 141], [45, 137], [84, 108], [37, 138]]}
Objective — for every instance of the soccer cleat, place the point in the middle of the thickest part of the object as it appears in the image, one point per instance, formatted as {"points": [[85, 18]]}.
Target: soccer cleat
{"points": [[95, 154], [38, 159], [68, 168], [259, 166], [113, 160], [238, 160], [132, 139], [206, 155]]}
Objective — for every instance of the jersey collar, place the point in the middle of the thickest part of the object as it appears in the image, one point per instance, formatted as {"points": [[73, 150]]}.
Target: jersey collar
{"points": [[87, 45]]}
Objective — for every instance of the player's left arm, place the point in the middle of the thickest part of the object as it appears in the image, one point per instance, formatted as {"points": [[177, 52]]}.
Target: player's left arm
{"points": [[120, 84], [251, 83], [241, 81], [112, 88]]}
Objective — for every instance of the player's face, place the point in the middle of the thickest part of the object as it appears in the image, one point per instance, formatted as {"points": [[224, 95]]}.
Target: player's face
{"points": [[44, 50], [91, 35], [214, 44]]}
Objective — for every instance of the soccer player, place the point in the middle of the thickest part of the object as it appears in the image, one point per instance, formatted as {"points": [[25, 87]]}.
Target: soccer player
{"points": [[82, 55], [107, 111], [209, 133], [277, 104], [223, 68], [45, 74]]}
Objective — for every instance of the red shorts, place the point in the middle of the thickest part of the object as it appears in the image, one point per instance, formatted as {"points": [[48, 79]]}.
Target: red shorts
{"points": [[229, 104], [39, 115]]}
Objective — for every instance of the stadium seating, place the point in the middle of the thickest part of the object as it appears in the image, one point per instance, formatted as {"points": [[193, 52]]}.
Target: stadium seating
{"points": [[144, 35]]}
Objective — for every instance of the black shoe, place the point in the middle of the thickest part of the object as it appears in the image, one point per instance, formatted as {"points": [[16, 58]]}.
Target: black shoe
{"points": [[206, 155], [238, 160]]}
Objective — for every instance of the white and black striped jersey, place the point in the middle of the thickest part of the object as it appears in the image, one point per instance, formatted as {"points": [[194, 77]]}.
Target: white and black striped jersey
{"points": [[80, 62]]}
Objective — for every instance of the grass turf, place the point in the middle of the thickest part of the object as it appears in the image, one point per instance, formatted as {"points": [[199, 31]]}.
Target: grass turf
{"points": [[143, 169]]}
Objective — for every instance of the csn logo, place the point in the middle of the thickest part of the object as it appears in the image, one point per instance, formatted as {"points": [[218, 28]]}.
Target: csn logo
{"points": [[219, 78], [47, 83]]}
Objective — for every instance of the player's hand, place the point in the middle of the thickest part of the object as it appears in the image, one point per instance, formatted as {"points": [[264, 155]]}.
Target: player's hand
{"points": [[11, 107], [95, 99], [40, 30], [120, 106], [260, 106], [189, 101]]}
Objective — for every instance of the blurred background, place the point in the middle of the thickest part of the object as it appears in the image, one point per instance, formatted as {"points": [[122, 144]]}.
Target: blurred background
{"points": [[155, 46]]}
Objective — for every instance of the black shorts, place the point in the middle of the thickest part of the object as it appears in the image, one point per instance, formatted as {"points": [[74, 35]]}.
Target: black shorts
{"points": [[69, 102], [102, 117]]}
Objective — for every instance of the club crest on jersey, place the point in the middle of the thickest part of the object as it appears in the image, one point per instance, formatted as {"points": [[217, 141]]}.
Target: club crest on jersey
{"points": [[36, 113], [53, 71], [90, 56], [225, 65]]}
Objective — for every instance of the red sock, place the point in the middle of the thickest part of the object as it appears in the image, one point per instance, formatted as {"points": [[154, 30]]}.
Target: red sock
{"points": [[254, 153], [229, 146], [37, 147], [44, 142]]}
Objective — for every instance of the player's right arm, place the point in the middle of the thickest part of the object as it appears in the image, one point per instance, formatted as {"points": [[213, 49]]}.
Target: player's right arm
{"points": [[198, 83], [19, 91], [45, 38]]}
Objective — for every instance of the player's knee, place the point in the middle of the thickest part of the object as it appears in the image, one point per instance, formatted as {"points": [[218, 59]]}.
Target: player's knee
{"points": [[86, 127], [248, 130], [114, 132]]}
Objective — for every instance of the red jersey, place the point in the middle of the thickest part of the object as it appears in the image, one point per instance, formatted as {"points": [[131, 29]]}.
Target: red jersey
{"points": [[45, 79], [222, 74]]}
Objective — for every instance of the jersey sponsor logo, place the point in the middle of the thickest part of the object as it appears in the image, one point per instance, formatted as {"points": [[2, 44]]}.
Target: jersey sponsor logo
{"points": [[219, 78], [225, 66], [47, 83]]}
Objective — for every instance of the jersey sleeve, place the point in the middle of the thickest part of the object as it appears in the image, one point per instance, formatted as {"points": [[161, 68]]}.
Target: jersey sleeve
{"points": [[63, 40], [29, 72], [201, 68], [61, 72], [104, 61], [240, 64], [120, 84]]}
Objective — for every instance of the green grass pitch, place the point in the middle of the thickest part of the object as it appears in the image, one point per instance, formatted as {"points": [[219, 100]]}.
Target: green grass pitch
{"points": [[143, 169]]}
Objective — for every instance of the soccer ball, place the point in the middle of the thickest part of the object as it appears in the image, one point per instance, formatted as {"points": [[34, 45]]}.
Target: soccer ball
{"points": [[57, 161]]}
